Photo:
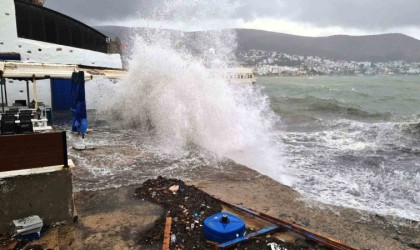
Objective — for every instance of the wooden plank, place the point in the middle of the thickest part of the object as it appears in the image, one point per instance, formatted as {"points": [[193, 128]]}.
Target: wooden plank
{"points": [[167, 234], [32, 151], [248, 236]]}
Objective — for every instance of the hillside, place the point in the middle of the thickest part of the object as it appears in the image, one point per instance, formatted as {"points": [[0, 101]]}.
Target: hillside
{"points": [[375, 48], [387, 47]]}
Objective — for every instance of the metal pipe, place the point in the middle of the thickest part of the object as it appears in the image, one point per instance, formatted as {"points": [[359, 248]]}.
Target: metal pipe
{"points": [[248, 236], [1, 87], [5, 91], [27, 92], [35, 93]]}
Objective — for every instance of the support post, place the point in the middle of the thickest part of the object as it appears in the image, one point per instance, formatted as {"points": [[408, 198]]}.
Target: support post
{"points": [[1, 87], [35, 93], [5, 91], [27, 92], [65, 156]]}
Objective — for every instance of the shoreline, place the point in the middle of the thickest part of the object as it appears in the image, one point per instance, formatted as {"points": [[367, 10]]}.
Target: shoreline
{"points": [[114, 219], [229, 181], [358, 228]]}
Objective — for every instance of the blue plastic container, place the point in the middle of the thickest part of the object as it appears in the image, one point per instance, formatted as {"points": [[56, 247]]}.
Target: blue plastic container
{"points": [[223, 227]]}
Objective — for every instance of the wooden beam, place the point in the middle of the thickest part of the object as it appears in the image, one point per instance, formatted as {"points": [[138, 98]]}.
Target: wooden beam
{"points": [[167, 234]]}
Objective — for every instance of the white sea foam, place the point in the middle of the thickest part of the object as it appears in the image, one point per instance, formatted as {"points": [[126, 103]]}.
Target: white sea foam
{"points": [[171, 96], [170, 92], [359, 165]]}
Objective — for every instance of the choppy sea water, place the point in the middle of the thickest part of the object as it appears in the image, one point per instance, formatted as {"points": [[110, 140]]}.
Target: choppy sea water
{"points": [[352, 141], [347, 141]]}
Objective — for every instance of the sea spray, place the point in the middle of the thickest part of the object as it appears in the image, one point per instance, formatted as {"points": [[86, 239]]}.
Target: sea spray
{"points": [[172, 93]]}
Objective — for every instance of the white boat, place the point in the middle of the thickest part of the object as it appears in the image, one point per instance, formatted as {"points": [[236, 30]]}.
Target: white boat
{"points": [[239, 75]]}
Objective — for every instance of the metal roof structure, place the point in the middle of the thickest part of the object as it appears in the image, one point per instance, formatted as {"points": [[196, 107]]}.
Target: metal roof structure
{"points": [[35, 34], [22, 71]]}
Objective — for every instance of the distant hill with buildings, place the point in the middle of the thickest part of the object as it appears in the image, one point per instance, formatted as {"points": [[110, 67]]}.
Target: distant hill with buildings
{"points": [[373, 48]]}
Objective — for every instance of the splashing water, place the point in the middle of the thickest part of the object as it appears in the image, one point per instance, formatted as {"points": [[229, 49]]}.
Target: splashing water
{"points": [[170, 93], [171, 97]]}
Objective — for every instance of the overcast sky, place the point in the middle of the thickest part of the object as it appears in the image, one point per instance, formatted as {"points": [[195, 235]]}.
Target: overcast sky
{"points": [[299, 17]]}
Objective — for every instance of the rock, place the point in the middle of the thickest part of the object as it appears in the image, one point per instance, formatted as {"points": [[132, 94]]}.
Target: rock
{"points": [[414, 245], [174, 188]]}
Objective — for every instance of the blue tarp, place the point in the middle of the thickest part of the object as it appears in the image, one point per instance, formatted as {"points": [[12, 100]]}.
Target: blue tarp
{"points": [[78, 103]]}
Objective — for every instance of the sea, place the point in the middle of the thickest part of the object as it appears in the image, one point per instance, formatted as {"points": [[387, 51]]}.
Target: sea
{"points": [[345, 141], [353, 141]]}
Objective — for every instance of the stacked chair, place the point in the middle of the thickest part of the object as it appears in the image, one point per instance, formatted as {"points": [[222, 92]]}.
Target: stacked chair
{"points": [[8, 124], [26, 112], [25, 125], [12, 112]]}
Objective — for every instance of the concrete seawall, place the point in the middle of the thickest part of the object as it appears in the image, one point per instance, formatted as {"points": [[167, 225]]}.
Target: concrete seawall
{"points": [[48, 195]]}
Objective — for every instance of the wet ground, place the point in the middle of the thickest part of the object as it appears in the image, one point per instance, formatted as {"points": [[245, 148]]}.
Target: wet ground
{"points": [[117, 157], [117, 219], [106, 177]]}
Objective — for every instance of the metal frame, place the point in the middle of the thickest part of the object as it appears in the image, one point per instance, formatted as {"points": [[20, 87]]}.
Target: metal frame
{"points": [[71, 24]]}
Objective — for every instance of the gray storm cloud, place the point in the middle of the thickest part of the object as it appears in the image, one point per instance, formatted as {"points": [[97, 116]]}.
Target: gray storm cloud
{"points": [[97, 11], [362, 14], [359, 14]]}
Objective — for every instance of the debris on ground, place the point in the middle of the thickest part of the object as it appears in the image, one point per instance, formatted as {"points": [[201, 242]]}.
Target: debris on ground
{"points": [[48, 239], [189, 207], [29, 227], [7, 242]]}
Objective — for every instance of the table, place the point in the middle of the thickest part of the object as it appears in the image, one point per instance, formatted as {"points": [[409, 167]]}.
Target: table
{"points": [[40, 125]]}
